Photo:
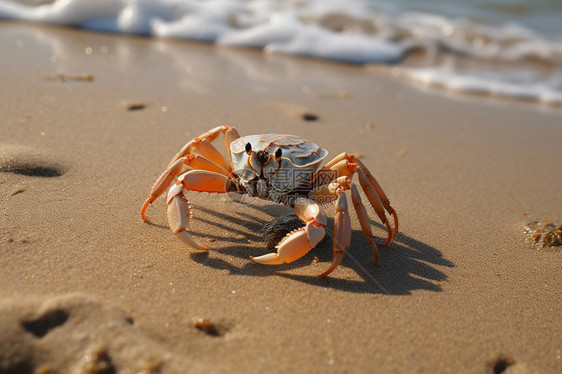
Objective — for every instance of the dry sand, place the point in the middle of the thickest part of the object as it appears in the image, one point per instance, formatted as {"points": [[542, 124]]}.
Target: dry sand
{"points": [[86, 286]]}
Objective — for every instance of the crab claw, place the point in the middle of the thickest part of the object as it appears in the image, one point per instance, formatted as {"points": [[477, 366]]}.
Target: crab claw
{"points": [[179, 214], [295, 245]]}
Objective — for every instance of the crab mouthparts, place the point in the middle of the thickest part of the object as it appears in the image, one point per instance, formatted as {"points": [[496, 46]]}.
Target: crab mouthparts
{"points": [[259, 187], [262, 157]]}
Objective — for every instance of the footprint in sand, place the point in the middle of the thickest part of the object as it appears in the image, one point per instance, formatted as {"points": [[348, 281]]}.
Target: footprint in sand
{"points": [[19, 159], [76, 333], [503, 364]]}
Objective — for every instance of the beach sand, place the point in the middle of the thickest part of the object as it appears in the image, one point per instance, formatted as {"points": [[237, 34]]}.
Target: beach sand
{"points": [[90, 120]]}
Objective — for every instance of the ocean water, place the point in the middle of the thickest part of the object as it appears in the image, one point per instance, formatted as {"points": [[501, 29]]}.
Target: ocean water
{"points": [[505, 48]]}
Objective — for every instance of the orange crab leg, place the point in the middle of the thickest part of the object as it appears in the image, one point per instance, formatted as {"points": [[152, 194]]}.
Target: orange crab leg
{"points": [[342, 232], [340, 168], [364, 220], [205, 181], [179, 208], [209, 150], [345, 163], [384, 199], [375, 202], [230, 135], [210, 159], [164, 181], [338, 158], [327, 192]]}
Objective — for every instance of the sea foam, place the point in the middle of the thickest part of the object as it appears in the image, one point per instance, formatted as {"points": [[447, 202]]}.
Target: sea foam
{"points": [[350, 31], [519, 84]]}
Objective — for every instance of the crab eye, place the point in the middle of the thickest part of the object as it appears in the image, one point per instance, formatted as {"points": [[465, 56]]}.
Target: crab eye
{"points": [[278, 153], [248, 148]]}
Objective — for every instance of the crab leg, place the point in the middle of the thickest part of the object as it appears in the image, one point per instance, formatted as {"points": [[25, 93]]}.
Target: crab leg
{"points": [[179, 208], [383, 198], [230, 135], [210, 159], [340, 168], [364, 220], [342, 231], [326, 193], [164, 181], [375, 202], [299, 242], [345, 163], [208, 150], [338, 158]]}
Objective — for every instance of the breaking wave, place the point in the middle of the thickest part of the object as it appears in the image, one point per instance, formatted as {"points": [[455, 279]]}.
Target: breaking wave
{"points": [[350, 31]]}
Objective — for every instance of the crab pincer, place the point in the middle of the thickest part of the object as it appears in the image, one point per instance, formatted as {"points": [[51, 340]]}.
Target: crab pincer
{"points": [[179, 215], [299, 242]]}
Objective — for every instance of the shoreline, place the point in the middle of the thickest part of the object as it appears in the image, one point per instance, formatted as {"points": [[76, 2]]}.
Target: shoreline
{"points": [[459, 280]]}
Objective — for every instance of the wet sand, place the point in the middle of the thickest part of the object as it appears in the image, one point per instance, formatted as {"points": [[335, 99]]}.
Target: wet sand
{"points": [[85, 285]]}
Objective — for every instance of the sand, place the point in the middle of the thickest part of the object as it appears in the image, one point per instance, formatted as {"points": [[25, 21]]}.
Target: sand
{"points": [[87, 287]]}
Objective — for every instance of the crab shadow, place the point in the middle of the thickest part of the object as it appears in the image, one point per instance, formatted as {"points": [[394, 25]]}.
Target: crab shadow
{"points": [[404, 265]]}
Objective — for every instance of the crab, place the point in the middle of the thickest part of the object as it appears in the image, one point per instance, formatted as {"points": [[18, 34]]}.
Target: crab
{"points": [[283, 169]]}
